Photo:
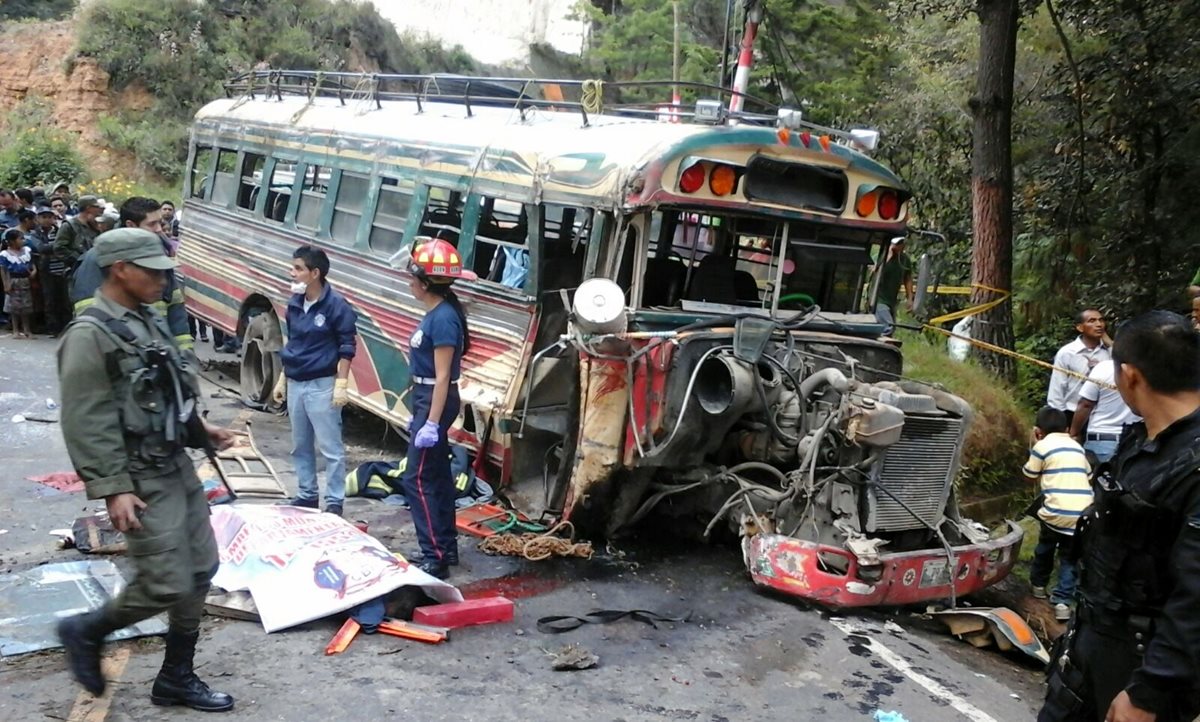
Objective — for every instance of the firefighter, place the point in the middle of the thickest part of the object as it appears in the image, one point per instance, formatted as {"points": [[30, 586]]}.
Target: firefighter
{"points": [[435, 365], [1130, 655]]}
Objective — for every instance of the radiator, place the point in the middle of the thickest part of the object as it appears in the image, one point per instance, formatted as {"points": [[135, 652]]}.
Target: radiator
{"points": [[917, 470]]}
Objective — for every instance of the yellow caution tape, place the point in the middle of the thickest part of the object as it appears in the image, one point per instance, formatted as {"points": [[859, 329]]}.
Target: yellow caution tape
{"points": [[974, 310]]}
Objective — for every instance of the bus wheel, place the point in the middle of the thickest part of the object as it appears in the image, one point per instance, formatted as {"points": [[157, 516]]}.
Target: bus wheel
{"points": [[260, 360]]}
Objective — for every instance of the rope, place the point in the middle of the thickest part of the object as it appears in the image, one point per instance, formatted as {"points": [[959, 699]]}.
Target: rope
{"points": [[537, 547], [593, 96]]}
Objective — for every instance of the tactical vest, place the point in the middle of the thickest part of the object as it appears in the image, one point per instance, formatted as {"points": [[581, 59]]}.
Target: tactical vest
{"points": [[1124, 539], [156, 397]]}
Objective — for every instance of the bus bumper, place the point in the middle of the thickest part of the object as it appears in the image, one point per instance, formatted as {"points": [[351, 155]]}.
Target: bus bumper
{"points": [[791, 566]]}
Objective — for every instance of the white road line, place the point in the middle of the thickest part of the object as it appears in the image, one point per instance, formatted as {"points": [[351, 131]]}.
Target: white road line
{"points": [[902, 666]]}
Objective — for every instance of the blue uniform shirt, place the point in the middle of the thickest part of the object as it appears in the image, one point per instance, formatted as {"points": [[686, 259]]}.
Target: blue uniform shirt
{"points": [[440, 327], [319, 337]]}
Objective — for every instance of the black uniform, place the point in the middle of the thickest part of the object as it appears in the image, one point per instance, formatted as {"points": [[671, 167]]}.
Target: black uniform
{"points": [[1138, 624]]}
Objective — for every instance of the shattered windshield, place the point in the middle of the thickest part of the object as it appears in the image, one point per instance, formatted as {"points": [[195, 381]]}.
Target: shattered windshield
{"points": [[698, 261]]}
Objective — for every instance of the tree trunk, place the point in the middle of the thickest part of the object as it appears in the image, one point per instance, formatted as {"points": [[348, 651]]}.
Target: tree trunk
{"points": [[992, 177]]}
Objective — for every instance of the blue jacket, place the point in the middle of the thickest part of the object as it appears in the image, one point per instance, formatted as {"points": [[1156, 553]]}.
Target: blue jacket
{"points": [[318, 339]]}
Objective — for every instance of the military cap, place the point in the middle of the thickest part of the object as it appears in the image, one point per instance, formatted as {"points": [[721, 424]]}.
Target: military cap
{"points": [[86, 202], [134, 245]]}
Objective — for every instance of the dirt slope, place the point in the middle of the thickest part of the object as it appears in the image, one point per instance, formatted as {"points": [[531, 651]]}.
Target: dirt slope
{"points": [[33, 62]]}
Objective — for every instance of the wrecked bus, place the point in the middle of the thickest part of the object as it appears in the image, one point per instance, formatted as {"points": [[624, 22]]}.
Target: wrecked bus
{"points": [[668, 318]]}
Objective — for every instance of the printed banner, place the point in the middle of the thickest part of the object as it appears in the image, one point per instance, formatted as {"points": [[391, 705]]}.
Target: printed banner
{"points": [[302, 564]]}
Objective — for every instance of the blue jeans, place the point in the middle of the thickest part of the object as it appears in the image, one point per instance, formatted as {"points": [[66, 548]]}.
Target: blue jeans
{"points": [[317, 423], [1104, 450], [1051, 540], [885, 315]]}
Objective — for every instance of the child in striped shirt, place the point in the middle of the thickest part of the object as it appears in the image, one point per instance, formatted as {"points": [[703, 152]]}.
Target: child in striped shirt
{"points": [[1057, 462]]}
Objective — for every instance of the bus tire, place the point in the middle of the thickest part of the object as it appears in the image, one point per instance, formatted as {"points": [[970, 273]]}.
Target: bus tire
{"points": [[260, 361]]}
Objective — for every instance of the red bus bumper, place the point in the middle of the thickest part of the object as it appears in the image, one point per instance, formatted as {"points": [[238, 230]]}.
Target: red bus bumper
{"points": [[791, 566]]}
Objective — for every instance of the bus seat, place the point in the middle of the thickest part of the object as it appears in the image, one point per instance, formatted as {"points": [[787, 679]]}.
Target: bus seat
{"points": [[663, 283], [278, 206], [713, 280], [746, 286]]}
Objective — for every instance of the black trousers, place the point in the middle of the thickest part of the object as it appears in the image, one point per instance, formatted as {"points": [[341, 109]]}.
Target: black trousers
{"points": [[56, 298], [427, 481], [1101, 663]]}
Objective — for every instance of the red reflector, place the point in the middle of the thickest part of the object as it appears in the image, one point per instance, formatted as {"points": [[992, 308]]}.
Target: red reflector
{"points": [[889, 205], [692, 179]]}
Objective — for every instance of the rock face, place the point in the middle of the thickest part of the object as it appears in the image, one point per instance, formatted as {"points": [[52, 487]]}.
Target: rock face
{"points": [[34, 64]]}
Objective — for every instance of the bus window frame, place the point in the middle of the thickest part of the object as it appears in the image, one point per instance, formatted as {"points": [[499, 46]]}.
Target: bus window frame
{"points": [[243, 156], [321, 229], [331, 198], [231, 203], [274, 162], [209, 172]]}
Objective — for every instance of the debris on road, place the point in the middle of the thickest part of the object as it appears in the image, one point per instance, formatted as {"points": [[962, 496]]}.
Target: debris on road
{"points": [[242, 470], [881, 716], [96, 534], [302, 564], [231, 605], [984, 626], [36, 599], [490, 610], [572, 657], [343, 638], [67, 481], [564, 623], [485, 520], [417, 632], [536, 547]]}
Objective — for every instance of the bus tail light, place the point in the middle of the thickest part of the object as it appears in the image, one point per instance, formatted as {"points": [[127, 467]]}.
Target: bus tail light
{"points": [[722, 180], [692, 179], [889, 205], [865, 205]]}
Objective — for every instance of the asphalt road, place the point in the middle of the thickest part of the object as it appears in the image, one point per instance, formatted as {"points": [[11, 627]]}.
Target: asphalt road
{"points": [[743, 654]]}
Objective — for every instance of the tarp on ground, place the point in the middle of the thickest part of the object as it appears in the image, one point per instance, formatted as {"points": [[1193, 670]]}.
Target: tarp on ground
{"points": [[302, 564], [33, 601]]}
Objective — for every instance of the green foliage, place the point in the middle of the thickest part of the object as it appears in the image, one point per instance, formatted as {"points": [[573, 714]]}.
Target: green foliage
{"points": [[32, 155], [181, 51], [11, 10]]}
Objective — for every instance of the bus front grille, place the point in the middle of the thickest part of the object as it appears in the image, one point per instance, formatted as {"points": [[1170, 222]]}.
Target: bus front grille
{"points": [[915, 473]]}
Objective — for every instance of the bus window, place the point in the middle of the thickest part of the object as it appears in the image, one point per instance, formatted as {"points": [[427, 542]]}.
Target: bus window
{"points": [[565, 233], [251, 180], [312, 196], [391, 216], [226, 182], [347, 208], [501, 242], [443, 215], [279, 193], [200, 171]]}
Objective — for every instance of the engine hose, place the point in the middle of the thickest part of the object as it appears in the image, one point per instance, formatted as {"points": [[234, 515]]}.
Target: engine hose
{"points": [[687, 397]]}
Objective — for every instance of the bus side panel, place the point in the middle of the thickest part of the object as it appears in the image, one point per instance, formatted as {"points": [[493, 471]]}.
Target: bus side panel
{"points": [[227, 256]]}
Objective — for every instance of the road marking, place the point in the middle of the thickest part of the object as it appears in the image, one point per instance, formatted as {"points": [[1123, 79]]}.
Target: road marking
{"points": [[95, 709], [902, 666]]}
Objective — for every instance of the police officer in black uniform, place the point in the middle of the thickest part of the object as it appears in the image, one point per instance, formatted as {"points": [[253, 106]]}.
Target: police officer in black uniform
{"points": [[1133, 651]]}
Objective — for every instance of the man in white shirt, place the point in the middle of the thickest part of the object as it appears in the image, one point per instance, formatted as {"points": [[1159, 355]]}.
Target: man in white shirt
{"points": [[1080, 356], [1102, 413]]}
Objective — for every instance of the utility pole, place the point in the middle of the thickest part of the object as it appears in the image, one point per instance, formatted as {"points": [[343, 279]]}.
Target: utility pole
{"points": [[741, 80], [724, 77], [677, 97]]}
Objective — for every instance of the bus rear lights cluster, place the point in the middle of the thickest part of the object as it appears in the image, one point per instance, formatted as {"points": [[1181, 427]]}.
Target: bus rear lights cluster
{"points": [[722, 179], [886, 201]]}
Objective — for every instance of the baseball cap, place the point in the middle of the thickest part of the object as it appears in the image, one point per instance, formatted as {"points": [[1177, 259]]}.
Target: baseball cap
{"points": [[134, 245], [44, 209], [86, 202]]}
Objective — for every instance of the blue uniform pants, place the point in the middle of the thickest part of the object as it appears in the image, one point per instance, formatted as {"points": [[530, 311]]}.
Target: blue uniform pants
{"points": [[427, 482]]}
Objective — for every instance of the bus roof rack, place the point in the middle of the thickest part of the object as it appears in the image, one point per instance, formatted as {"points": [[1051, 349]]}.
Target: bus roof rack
{"points": [[588, 97]]}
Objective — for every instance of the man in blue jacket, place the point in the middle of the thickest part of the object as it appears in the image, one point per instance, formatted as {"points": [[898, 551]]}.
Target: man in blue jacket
{"points": [[316, 366]]}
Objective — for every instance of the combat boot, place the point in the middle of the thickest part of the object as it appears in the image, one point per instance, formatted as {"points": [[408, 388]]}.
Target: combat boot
{"points": [[177, 683], [82, 637]]}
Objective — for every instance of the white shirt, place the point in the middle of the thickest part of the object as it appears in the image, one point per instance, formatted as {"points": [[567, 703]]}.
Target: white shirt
{"points": [[1111, 414], [1075, 356]]}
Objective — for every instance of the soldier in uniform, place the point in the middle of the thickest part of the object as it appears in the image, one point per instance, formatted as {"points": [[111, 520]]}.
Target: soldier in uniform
{"points": [[128, 412], [1131, 652]]}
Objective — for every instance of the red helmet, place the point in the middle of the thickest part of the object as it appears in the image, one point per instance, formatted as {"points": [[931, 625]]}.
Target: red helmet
{"points": [[438, 261]]}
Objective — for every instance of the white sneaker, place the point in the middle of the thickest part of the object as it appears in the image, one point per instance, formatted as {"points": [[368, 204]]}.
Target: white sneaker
{"points": [[1062, 612], [1039, 592]]}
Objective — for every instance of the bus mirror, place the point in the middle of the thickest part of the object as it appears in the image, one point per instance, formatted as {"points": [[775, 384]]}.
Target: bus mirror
{"points": [[789, 118], [709, 111], [864, 139], [922, 290]]}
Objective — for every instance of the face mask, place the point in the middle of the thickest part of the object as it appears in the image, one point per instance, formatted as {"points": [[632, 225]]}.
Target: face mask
{"points": [[298, 287]]}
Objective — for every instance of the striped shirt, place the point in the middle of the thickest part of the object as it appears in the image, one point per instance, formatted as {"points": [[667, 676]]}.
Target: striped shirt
{"points": [[1058, 463]]}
